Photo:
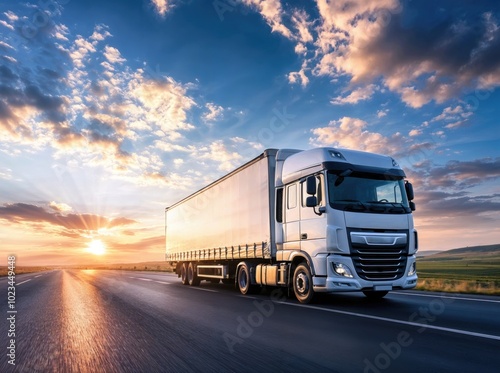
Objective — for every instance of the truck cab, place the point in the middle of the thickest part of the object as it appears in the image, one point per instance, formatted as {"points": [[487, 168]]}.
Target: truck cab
{"points": [[344, 222]]}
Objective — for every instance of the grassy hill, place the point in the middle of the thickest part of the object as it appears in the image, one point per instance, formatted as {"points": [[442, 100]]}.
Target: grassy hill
{"points": [[469, 269]]}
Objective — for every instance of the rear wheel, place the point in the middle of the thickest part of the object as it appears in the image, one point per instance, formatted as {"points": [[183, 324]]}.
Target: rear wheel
{"points": [[370, 294], [302, 283], [192, 277], [184, 270], [244, 280]]}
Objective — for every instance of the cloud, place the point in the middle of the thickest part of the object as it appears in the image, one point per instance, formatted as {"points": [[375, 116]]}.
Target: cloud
{"points": [[162, 6], [455, 116], [220, 153], [357, 95], [214, 113], [74, 224], [272, 12], [382, 113], [352, 133], [464, 174], [85, 104], [393, 44], [113, 55]]}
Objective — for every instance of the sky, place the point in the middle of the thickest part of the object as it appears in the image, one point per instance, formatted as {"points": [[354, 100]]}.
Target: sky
{"points": [[111, 111]]}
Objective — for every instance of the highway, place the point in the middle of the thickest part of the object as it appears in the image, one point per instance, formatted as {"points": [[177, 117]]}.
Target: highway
{"points": [[124, 321]]}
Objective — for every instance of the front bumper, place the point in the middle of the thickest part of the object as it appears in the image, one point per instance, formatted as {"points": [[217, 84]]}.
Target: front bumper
{"points": [[337, 283]]}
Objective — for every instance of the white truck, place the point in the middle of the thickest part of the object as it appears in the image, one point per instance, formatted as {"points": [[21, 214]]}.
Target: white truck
{"points": [[319, 220]]}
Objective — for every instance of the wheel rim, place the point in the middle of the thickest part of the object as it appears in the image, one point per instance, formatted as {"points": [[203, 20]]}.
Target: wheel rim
{"points": [[302, 283], [243, 279]]}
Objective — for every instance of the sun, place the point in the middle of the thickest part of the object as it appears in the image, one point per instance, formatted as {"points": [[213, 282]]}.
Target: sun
{"points": [[96, 247]]}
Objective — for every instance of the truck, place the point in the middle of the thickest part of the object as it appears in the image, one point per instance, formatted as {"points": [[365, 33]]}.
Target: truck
{"points": [[311, 221]]}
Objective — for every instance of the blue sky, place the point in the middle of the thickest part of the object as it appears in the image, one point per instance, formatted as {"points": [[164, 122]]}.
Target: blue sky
{"points": [[112, 110]]}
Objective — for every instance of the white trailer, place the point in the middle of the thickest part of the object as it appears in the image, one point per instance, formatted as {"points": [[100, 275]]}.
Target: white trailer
{"points": [[320, 220]]}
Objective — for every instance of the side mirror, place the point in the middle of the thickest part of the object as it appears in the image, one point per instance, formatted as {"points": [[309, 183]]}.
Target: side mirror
{"points": [[311, 186], [311, 201], [412, 206], [409, 191]]}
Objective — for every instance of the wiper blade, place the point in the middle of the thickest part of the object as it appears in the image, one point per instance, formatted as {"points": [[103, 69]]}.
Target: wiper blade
{"points": [[353, 205], [395, 207]]}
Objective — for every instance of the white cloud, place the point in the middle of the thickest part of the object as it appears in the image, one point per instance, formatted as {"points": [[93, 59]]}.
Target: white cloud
{"points": [[272, 12], [214, 113], [218, 152], [357, 95], [382, 113], [113, 55], [162, 6], [60, 207], [352, 133], [456, 116], [5, 24]]}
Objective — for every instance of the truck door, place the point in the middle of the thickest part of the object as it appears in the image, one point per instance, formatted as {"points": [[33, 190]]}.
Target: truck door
{"points": [[313, 226], [291, 219]]}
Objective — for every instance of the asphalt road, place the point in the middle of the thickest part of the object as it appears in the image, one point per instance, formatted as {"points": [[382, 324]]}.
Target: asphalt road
{"points": [[117, 321]]}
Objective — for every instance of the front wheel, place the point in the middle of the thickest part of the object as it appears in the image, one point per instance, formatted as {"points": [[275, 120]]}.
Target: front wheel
{"points": [[370, 294], [302, 283]]}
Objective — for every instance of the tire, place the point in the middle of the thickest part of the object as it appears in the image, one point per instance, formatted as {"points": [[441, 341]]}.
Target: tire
{"points": [[192, 277], [184, 270], [370, 294], [244, 281], [302, 284]]}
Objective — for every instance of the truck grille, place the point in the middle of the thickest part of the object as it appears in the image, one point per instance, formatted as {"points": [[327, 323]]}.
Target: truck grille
{"points": [[379, 255]]}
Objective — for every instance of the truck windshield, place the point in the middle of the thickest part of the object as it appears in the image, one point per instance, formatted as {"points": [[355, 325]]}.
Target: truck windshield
{"points": [[367, 192]]}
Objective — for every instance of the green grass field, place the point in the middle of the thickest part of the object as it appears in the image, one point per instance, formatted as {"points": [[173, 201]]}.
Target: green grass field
{"points": [[466, 270]]}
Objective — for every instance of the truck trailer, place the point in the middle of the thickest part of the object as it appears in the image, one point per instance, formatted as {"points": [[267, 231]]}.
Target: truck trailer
{"points": [[314, 221]]}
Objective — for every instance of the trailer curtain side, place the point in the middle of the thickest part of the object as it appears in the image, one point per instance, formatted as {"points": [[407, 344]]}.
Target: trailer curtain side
{"points": [[229, 219]]}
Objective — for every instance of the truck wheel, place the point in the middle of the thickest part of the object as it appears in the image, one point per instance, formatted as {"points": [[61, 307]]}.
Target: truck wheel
{"points": [[192, 277], [184, 270], [370, 294], [302, 283], [244, 280]]}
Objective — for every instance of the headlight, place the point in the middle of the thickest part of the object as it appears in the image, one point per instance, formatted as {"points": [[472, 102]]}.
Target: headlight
{"points": [[413, 269], [342, 270]]}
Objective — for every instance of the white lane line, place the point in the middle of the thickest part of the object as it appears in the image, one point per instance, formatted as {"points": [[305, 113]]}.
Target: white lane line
{"points": [[163, 282], [38, 276], [20, 283], [130, 277], [144, 279], [426, 326], [445, 296], [210, 290]]}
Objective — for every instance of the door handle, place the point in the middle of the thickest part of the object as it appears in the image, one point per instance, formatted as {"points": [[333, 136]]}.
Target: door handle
{"points": [[303, 236]]}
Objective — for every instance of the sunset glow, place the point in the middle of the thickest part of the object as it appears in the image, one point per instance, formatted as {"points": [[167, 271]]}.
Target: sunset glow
{"points": [[96, 247]]}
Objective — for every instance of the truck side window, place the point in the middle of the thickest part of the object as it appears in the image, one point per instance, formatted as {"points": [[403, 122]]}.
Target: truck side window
{"points": [[279, 205], [291, 196]]}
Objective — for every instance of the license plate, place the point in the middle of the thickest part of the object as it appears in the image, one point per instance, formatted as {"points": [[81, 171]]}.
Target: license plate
{"points": [[382, 287]]}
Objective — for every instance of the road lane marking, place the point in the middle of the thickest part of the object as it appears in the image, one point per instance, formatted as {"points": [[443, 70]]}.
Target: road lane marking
{"points": [[445, 296], [163, 282], [38, 276], [210, 290], [144, 279], [20, 283], [426, 326]]}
